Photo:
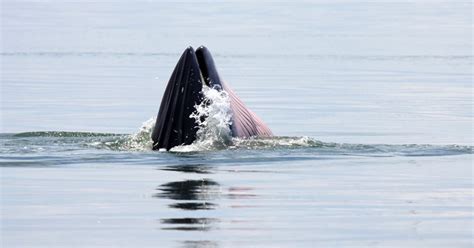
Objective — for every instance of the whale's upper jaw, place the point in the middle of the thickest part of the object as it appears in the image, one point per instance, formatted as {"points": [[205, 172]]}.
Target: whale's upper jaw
{"points": [[208, 68], [173, 125]]}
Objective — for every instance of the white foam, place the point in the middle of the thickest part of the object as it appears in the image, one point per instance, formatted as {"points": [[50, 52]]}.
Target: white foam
{"points": [[141, 140], [213, 117]]}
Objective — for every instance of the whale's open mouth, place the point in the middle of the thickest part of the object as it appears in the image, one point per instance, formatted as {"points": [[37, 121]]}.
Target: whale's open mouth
{"points": [[174, 126]]}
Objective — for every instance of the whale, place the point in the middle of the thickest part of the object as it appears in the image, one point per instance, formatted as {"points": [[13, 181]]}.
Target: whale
{"points": [[174, 125]]}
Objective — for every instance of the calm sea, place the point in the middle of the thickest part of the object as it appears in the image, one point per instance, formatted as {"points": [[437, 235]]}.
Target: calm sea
{"points": [[371, 102]]}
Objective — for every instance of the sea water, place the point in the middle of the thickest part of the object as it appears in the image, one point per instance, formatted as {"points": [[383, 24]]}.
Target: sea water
{"points": [[370, 102]]}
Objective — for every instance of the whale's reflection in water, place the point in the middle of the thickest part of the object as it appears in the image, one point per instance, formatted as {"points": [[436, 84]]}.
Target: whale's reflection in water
{"points": [[190, 168], [189, 224], [191, 195], [204, 189], [200, 244], [199, 195], [194, 205]]}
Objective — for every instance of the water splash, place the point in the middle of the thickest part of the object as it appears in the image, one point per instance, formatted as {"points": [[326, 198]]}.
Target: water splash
{"points": [[139, 141], [276, 142], [213, 117], [348, 149]]}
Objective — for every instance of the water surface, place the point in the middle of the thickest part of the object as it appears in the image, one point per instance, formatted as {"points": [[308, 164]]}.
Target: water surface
{"points": [[371, 103]]}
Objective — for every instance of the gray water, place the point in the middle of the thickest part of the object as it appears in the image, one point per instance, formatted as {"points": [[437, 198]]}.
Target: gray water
{"points": [[371, 104]]}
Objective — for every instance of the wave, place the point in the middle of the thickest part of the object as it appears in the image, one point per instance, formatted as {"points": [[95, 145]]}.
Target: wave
{"points": [[65, 134], [59, 141], [213, 135]]}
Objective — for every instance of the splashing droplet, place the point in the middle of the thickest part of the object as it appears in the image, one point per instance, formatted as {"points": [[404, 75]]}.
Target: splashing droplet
{"points": [[213, 117]]}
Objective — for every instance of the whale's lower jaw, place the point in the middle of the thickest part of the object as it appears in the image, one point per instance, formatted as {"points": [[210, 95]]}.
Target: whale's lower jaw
{"points": [[174, 126]]}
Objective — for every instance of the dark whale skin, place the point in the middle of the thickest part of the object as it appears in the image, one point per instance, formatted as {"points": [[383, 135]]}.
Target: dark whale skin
{"points": [[173, 125]]}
